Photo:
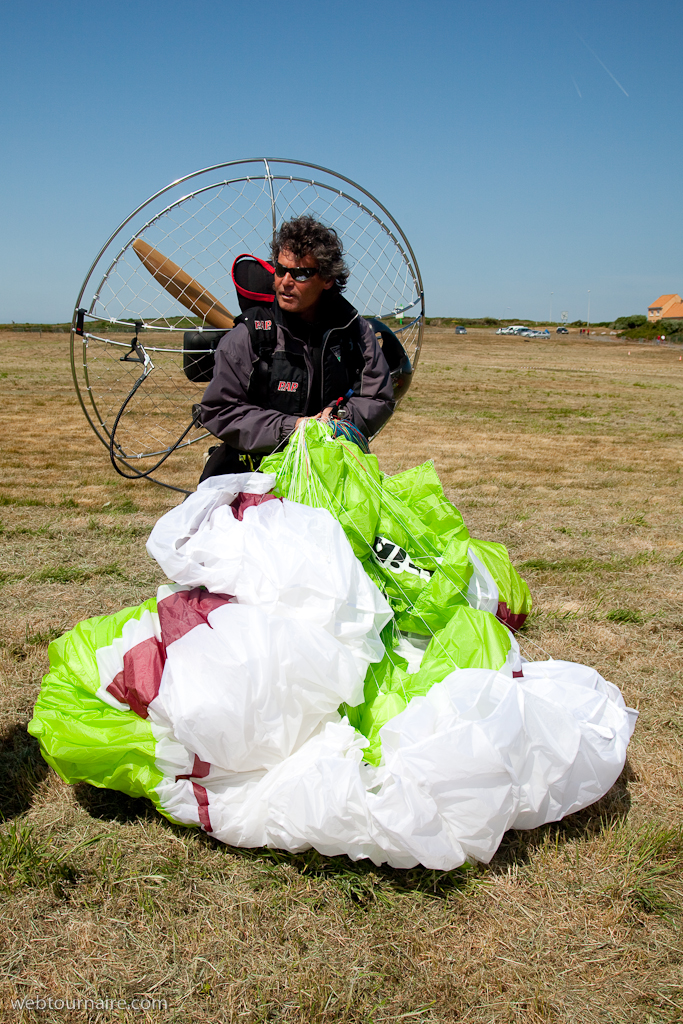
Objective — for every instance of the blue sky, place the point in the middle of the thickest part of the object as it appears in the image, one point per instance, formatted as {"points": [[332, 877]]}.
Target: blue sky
{"points": [[493, 130]]}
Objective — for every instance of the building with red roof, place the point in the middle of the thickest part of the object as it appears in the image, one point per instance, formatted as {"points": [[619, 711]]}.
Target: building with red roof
{"points": [[666, 307]]}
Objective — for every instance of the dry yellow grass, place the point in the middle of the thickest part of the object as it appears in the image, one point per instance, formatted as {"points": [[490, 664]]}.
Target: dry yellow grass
{"points": [[568, 452]]}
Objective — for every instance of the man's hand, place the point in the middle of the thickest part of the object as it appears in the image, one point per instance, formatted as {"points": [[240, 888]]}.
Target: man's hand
{"points": [[323, 416]]}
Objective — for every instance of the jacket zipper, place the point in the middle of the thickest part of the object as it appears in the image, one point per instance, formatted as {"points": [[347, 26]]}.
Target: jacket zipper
{"points": [[309, 365], [322, 352]]}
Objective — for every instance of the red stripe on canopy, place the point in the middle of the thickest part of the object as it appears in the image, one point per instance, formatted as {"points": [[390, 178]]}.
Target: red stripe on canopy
{"points": [[245, 500], [182, 611], [513, 620], [202, 798], [200, 769], [138, 682]]}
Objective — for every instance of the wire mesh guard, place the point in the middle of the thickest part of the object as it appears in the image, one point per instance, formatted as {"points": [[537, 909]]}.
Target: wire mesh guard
{"points": [[232, 208]]}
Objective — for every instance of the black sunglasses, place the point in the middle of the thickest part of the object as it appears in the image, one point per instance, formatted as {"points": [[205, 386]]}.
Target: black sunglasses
{"points": [[298, 273]]}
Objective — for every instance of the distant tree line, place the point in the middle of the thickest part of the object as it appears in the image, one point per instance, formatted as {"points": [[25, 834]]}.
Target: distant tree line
{"points": [[635, 326], [490, 321], [638, 326]]}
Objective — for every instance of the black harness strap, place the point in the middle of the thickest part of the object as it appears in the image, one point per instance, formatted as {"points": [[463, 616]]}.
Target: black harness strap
{"points": [[262, 329]]}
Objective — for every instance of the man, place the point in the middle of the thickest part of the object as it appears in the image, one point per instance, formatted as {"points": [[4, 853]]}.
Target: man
{"points": [[322, 355]]}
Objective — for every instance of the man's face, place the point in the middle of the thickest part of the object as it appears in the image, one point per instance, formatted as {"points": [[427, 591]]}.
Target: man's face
{"points": [[299, 296]]}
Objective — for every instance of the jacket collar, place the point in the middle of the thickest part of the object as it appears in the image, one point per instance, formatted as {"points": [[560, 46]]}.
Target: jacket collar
{"points": [[333, 311]]}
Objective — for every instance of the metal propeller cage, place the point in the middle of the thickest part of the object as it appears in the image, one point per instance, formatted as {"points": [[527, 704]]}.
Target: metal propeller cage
{"points": [[133, 390]]}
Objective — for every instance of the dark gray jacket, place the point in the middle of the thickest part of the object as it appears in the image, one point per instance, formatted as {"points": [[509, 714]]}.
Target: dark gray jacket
{"points": [[230, 416]]}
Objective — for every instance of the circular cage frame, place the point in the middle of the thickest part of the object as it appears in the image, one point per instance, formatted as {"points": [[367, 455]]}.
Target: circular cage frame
{"points": [[274, 174]]}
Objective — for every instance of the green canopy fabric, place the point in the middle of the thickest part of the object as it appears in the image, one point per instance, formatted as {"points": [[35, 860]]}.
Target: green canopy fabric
{"points": [[83, 738], [426, 584], [411, 511]]}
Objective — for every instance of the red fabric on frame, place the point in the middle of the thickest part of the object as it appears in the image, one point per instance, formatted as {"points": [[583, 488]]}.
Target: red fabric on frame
{"points": [[258, 296]]}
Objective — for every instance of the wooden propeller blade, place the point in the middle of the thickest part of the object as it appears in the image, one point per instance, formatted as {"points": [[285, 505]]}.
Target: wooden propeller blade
{"points": [[183, 287]]}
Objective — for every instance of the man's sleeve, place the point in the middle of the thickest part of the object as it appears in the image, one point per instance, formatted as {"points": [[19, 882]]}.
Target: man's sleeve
{"points": [[373, 405], [225, 409]]}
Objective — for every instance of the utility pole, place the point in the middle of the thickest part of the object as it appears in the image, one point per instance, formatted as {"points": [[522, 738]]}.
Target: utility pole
{"points": [[588, 318], [551, 306]]}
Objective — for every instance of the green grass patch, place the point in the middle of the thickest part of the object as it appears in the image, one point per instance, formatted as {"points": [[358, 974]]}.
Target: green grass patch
{"points": [[651, 869], [591, 564], [26, 531], [635, 519], [625, 615], [124, 505], [362, 882], [5, 499], [27, 860], [77, 574], [119, 505], [20, 650], [67, 574], [42, 637], [121, 533]]}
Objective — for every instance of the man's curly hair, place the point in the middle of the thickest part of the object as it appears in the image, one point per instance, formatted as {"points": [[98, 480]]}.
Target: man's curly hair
{"points": [[305, 236]]}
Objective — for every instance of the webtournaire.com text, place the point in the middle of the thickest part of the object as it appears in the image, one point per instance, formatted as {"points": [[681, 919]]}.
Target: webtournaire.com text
{"points": [[50, 1003]]}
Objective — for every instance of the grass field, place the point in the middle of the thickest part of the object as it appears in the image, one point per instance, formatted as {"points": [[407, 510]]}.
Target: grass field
{"points": [[569, 453]]}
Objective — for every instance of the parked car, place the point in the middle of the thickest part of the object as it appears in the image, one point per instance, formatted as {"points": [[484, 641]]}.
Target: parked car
{"points": [[514, 329], [561, 330], [460, 330], [520, 331]]}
